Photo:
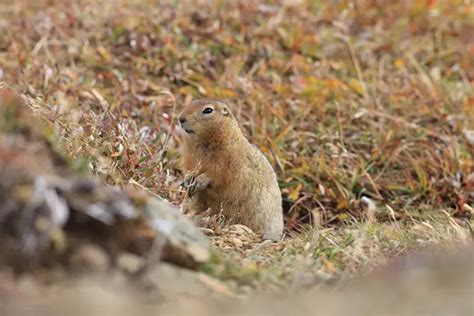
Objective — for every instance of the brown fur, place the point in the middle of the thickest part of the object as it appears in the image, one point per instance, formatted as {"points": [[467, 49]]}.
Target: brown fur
{"points": [[231, 174]]}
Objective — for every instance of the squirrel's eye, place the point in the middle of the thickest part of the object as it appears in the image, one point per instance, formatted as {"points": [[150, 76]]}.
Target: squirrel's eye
{"points": [[207, 111]]}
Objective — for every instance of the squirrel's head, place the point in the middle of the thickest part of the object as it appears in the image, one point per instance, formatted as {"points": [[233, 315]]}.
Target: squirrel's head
{"points": [[206, 119]]}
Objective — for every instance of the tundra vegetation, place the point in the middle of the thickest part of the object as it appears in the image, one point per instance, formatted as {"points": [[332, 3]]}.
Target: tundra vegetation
{"points": [[365, 109]]}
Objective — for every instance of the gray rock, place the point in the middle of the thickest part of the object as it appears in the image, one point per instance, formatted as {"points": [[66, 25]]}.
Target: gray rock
{"points": [[184, 244]]}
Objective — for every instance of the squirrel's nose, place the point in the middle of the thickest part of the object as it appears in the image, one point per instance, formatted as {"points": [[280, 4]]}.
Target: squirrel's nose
{"points": [[182, 120]]}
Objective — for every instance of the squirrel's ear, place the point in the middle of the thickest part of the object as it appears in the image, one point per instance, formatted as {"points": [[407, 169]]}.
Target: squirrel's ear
{"points": [[225, 111]]}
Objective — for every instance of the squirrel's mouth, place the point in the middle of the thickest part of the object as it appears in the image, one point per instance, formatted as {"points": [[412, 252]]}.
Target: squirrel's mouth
{"points": [[184, 126], [187, 129]]}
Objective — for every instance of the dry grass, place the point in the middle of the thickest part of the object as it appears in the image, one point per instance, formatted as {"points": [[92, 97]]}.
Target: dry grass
{"points": [[364, 109], [329, 256]]}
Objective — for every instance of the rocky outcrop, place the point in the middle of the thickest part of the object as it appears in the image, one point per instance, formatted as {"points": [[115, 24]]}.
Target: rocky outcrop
{"points": [[48, 211]]}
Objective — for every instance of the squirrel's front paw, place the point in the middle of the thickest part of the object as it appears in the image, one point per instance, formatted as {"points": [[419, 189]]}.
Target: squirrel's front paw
{"points": [[194, 184], [188, 181], [201, 182]]}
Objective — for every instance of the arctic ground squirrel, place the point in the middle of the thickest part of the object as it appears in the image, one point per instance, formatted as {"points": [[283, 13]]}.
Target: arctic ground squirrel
{"points": [[230, 175]]}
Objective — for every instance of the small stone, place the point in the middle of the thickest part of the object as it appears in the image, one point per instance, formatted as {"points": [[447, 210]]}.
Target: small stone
{"points": [[240, 230], [173, 281], [469, 134], [208, 231], [370, 206], [237, 242], [129, 263], [89, 258], [215, 285]]}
